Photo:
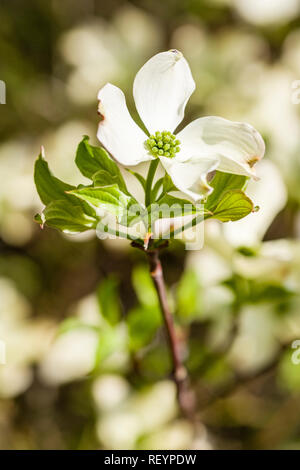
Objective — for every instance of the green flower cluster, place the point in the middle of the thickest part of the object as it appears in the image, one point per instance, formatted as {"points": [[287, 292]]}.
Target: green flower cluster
{"points": [[163, 144]]}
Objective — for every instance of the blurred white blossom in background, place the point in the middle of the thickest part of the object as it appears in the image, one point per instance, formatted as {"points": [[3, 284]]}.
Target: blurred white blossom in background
{"points": [[264, 12], [26, 340], [101, 52], [271, 195]]}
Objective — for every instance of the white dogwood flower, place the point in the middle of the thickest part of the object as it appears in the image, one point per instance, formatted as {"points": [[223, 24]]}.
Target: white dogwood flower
{"points": [[161, 90]]}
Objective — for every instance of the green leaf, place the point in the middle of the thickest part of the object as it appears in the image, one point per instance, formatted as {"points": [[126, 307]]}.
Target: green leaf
{"points": [[156, 188], [288, 372], [169, 207], [139, 177], [90, 160], [256, 291], [74, 323], [38, 219], [108, 299], [111, 340], [234, 205], [221, 183], [52, 189], [272, 292], [104, 178], [165, 184], [248, 251], [168, 184], [143, 286], [113, 200], [155, 362], [188, 295], [67, 217], [143, 323], [48, 186]]}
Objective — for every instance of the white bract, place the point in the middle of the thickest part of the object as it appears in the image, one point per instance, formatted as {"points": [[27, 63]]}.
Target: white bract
{"points": [[161, 90]]}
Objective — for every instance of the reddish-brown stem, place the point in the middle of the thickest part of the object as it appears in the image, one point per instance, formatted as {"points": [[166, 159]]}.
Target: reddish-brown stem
{"points": [[186, 398]]}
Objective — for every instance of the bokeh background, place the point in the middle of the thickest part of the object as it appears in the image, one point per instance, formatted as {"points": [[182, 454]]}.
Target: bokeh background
{"points": [[74, 380]]}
